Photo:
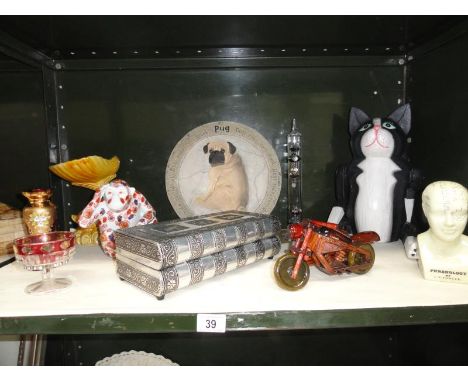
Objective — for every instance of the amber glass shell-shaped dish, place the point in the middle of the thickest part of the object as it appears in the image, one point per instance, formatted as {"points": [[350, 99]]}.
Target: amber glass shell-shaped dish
{"points": [[91, 172]]}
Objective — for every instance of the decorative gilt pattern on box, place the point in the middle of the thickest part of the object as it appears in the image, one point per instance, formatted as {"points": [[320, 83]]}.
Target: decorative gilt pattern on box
{"points": [[170, 281], [140, 279], [241, 256], [196, 271], [196, 246], [169, 243], [241, 232], [220, 263], [162, 282], [259, 249], [219, 237], [260, 229], [169, 248]]}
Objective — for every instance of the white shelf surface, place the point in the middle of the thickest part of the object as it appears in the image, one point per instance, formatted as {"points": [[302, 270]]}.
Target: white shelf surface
{"points": [[394, 281]]}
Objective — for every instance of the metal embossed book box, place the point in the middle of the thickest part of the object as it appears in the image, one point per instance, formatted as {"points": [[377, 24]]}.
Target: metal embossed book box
{"points": [[161, 258]]}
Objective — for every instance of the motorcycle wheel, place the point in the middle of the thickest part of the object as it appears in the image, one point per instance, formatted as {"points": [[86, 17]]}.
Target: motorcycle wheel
{"points": [[283, 269], [356, 258]]}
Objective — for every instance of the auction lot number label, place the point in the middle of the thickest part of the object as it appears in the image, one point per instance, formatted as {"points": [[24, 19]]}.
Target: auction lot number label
{"points": [[211, 323]]}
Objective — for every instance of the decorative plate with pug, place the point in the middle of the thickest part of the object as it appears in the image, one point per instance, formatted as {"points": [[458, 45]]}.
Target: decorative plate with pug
{"points": [[223, 166]]}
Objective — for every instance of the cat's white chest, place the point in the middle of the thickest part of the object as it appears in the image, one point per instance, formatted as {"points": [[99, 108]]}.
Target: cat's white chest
{"points": [[374, 203]]}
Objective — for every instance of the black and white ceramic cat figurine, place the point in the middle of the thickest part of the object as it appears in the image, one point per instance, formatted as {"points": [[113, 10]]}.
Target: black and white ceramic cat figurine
{"points": [[375, 192]]}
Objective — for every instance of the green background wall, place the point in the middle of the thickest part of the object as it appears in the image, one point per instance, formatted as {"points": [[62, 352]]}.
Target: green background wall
{"points": [[23, 139], [438, 90]]}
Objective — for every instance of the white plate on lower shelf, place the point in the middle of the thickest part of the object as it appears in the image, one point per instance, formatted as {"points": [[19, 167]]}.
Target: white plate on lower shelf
{"points": [[136, 358]]}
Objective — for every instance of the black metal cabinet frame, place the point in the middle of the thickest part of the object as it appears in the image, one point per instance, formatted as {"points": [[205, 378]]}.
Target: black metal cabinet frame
{"points": [[260, 77]]}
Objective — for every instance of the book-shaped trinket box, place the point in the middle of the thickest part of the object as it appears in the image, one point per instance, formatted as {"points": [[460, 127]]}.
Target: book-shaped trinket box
{"points": [[167, 280], [172, 242], [161, 258]]}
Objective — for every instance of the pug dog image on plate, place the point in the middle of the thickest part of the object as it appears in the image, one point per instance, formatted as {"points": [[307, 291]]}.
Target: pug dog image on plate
{"points": [[227, 181]]}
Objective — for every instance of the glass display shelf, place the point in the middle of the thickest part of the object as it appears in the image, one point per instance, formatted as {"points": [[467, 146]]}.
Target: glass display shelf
{"points": [[392, 293]]}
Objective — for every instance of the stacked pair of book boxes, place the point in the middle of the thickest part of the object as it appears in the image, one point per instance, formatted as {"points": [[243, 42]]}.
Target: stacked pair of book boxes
{"points": [[161, 258]]}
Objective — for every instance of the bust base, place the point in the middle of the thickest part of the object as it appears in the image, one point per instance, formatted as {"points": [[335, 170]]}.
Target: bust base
{"points": [[438, 271]]}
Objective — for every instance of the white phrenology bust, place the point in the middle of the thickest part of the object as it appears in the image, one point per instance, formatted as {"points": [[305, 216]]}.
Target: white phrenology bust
{"points": [[443, 249]]}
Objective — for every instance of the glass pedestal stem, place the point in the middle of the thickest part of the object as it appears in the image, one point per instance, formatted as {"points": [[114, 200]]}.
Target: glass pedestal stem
{"points": [[48, 283]]}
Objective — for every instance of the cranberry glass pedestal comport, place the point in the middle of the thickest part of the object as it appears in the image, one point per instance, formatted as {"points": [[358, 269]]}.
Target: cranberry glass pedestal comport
{"points": [[44, 252]]}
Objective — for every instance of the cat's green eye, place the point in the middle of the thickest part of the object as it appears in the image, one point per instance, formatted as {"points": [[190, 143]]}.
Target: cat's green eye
{"points": [[365, 127], [388, 126]]}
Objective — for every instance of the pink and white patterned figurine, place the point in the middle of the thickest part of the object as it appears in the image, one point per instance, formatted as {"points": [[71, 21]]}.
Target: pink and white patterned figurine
{"points": [[115, 205]]}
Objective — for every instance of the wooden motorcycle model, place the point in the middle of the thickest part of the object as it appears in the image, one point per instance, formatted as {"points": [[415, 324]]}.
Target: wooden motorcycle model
{"points": [[329, 248]]}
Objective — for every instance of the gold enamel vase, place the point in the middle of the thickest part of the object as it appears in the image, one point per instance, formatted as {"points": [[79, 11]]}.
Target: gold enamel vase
{"points": [[40, 216]]}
